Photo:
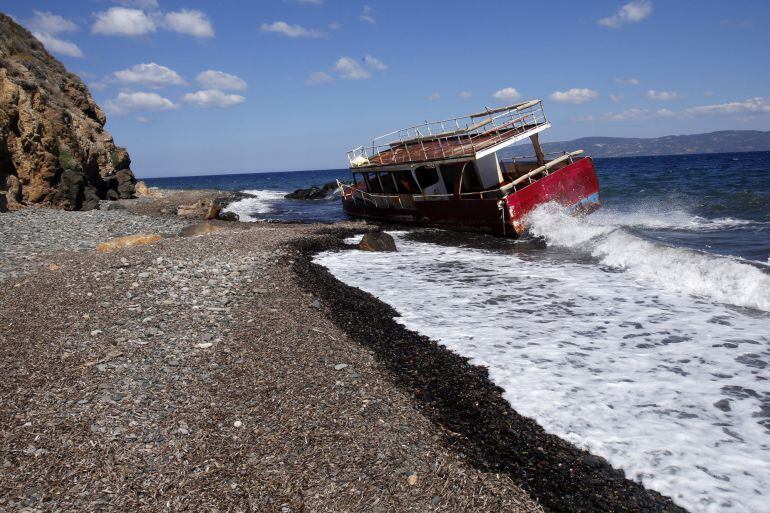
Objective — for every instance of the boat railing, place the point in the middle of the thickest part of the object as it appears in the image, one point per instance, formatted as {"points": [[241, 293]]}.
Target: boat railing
{"points": [[449, 138], [514, 158], [379, 200]]}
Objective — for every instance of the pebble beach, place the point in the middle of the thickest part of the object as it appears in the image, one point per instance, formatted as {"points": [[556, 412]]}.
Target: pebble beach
{"points": [[219, 369]]}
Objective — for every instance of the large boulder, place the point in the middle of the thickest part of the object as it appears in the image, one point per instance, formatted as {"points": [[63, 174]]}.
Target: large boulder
{"points": [[53, 146], [377, 241]]}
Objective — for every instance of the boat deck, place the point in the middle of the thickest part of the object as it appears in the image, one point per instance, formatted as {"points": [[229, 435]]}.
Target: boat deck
{"points": [[441, 148], [471, 136]]}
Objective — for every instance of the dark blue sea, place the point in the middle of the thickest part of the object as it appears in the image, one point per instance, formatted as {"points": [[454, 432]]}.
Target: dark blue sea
{"points": [[714, 203], [640, 332]]}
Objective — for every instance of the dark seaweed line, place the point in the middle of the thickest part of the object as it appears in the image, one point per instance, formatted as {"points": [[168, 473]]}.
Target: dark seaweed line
{"points": [[468, 407]]}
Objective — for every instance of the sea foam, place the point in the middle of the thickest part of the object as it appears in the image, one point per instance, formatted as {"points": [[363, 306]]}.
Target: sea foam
{"points": [[671, 387], [248, 209], [682, 270]]}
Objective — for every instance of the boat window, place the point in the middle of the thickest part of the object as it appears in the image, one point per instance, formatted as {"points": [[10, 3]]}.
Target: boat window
{"points": [[372, 183], [388, 184], [471, 182], [449, 173], [405, 182], [426, 176]]}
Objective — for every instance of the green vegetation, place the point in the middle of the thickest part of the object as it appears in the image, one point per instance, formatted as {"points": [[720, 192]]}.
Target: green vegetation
{"points": [[114, 158], [67, 160]]}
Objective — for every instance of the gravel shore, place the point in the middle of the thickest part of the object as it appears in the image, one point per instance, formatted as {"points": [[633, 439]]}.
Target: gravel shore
{"points": [[200, 373]]}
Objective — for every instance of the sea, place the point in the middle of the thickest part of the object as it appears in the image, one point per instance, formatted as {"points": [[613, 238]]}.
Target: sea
{"points": [[640, 332]]}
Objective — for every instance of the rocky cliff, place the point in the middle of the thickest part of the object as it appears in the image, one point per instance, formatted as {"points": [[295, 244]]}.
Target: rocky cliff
{"points": [[53, 146]]}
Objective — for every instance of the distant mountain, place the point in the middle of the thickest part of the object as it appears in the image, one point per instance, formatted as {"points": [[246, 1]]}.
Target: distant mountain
{"points": [[725, 141]]}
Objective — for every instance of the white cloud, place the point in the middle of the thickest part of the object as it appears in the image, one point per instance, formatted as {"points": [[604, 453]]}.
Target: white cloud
{"points": [[708, 94], [375, 63], [45, 26], [350, 69], [627, 114], [752, 106], [97, 86], [368, 14], [627, 81], [665, 96], [212, 98], [574, 95], [122, 21], [583, 119], [318, 78], [464, 94], [507, 93], [314, 2], [58, 46], [50, 23], [190, 22], [334, 26], [211, 79], [149, 74], [281, 27], [142, 4], [639, 114], [616, 97], [633, 12], [128, 102], [434, 96], [143, 119]]}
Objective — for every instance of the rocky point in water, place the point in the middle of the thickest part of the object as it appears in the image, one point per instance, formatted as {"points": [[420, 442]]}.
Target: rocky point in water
{"points": [[313, 192], [53, 146]]}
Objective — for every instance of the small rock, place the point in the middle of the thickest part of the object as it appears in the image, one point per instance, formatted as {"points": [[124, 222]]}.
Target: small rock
{"points": [[412, 479], [723, 404], [111, 205], [315, 304], [228, 216], [340, 366], [200, 229], [141, 190], [126, 242], [212, 213], [237, 424], [54, 267], [377, 241], [204, 345], [96, 332]]}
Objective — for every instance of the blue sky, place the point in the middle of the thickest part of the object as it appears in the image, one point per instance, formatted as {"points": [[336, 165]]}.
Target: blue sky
{"points": [[194, 87]]}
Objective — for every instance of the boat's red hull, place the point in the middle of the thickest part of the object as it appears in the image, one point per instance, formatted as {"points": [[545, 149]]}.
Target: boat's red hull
{"points": [[573, 186]]}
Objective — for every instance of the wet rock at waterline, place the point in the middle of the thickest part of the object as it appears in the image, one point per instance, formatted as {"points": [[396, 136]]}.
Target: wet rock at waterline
{"points": [[313, 193], [228, 216], [378, 241]]}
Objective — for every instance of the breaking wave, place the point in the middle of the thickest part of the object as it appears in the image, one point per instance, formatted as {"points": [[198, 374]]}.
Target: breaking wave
{"points": [[606, 238], [261, 202]]}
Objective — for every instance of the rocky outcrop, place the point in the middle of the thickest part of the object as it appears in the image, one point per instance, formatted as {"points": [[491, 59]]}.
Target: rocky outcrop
{"points": [[313, 192], [53, 146]]}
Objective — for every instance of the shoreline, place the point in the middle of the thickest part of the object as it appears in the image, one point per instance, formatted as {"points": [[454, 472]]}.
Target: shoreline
{"points": [[475, 419], [462, 412]]}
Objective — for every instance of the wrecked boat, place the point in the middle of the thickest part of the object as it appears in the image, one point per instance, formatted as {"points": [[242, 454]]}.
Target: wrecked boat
{"points": [[453, 173]]}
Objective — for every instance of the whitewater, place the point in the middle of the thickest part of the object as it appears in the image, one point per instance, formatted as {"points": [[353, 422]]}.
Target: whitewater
{"points": [[651, 355]]}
